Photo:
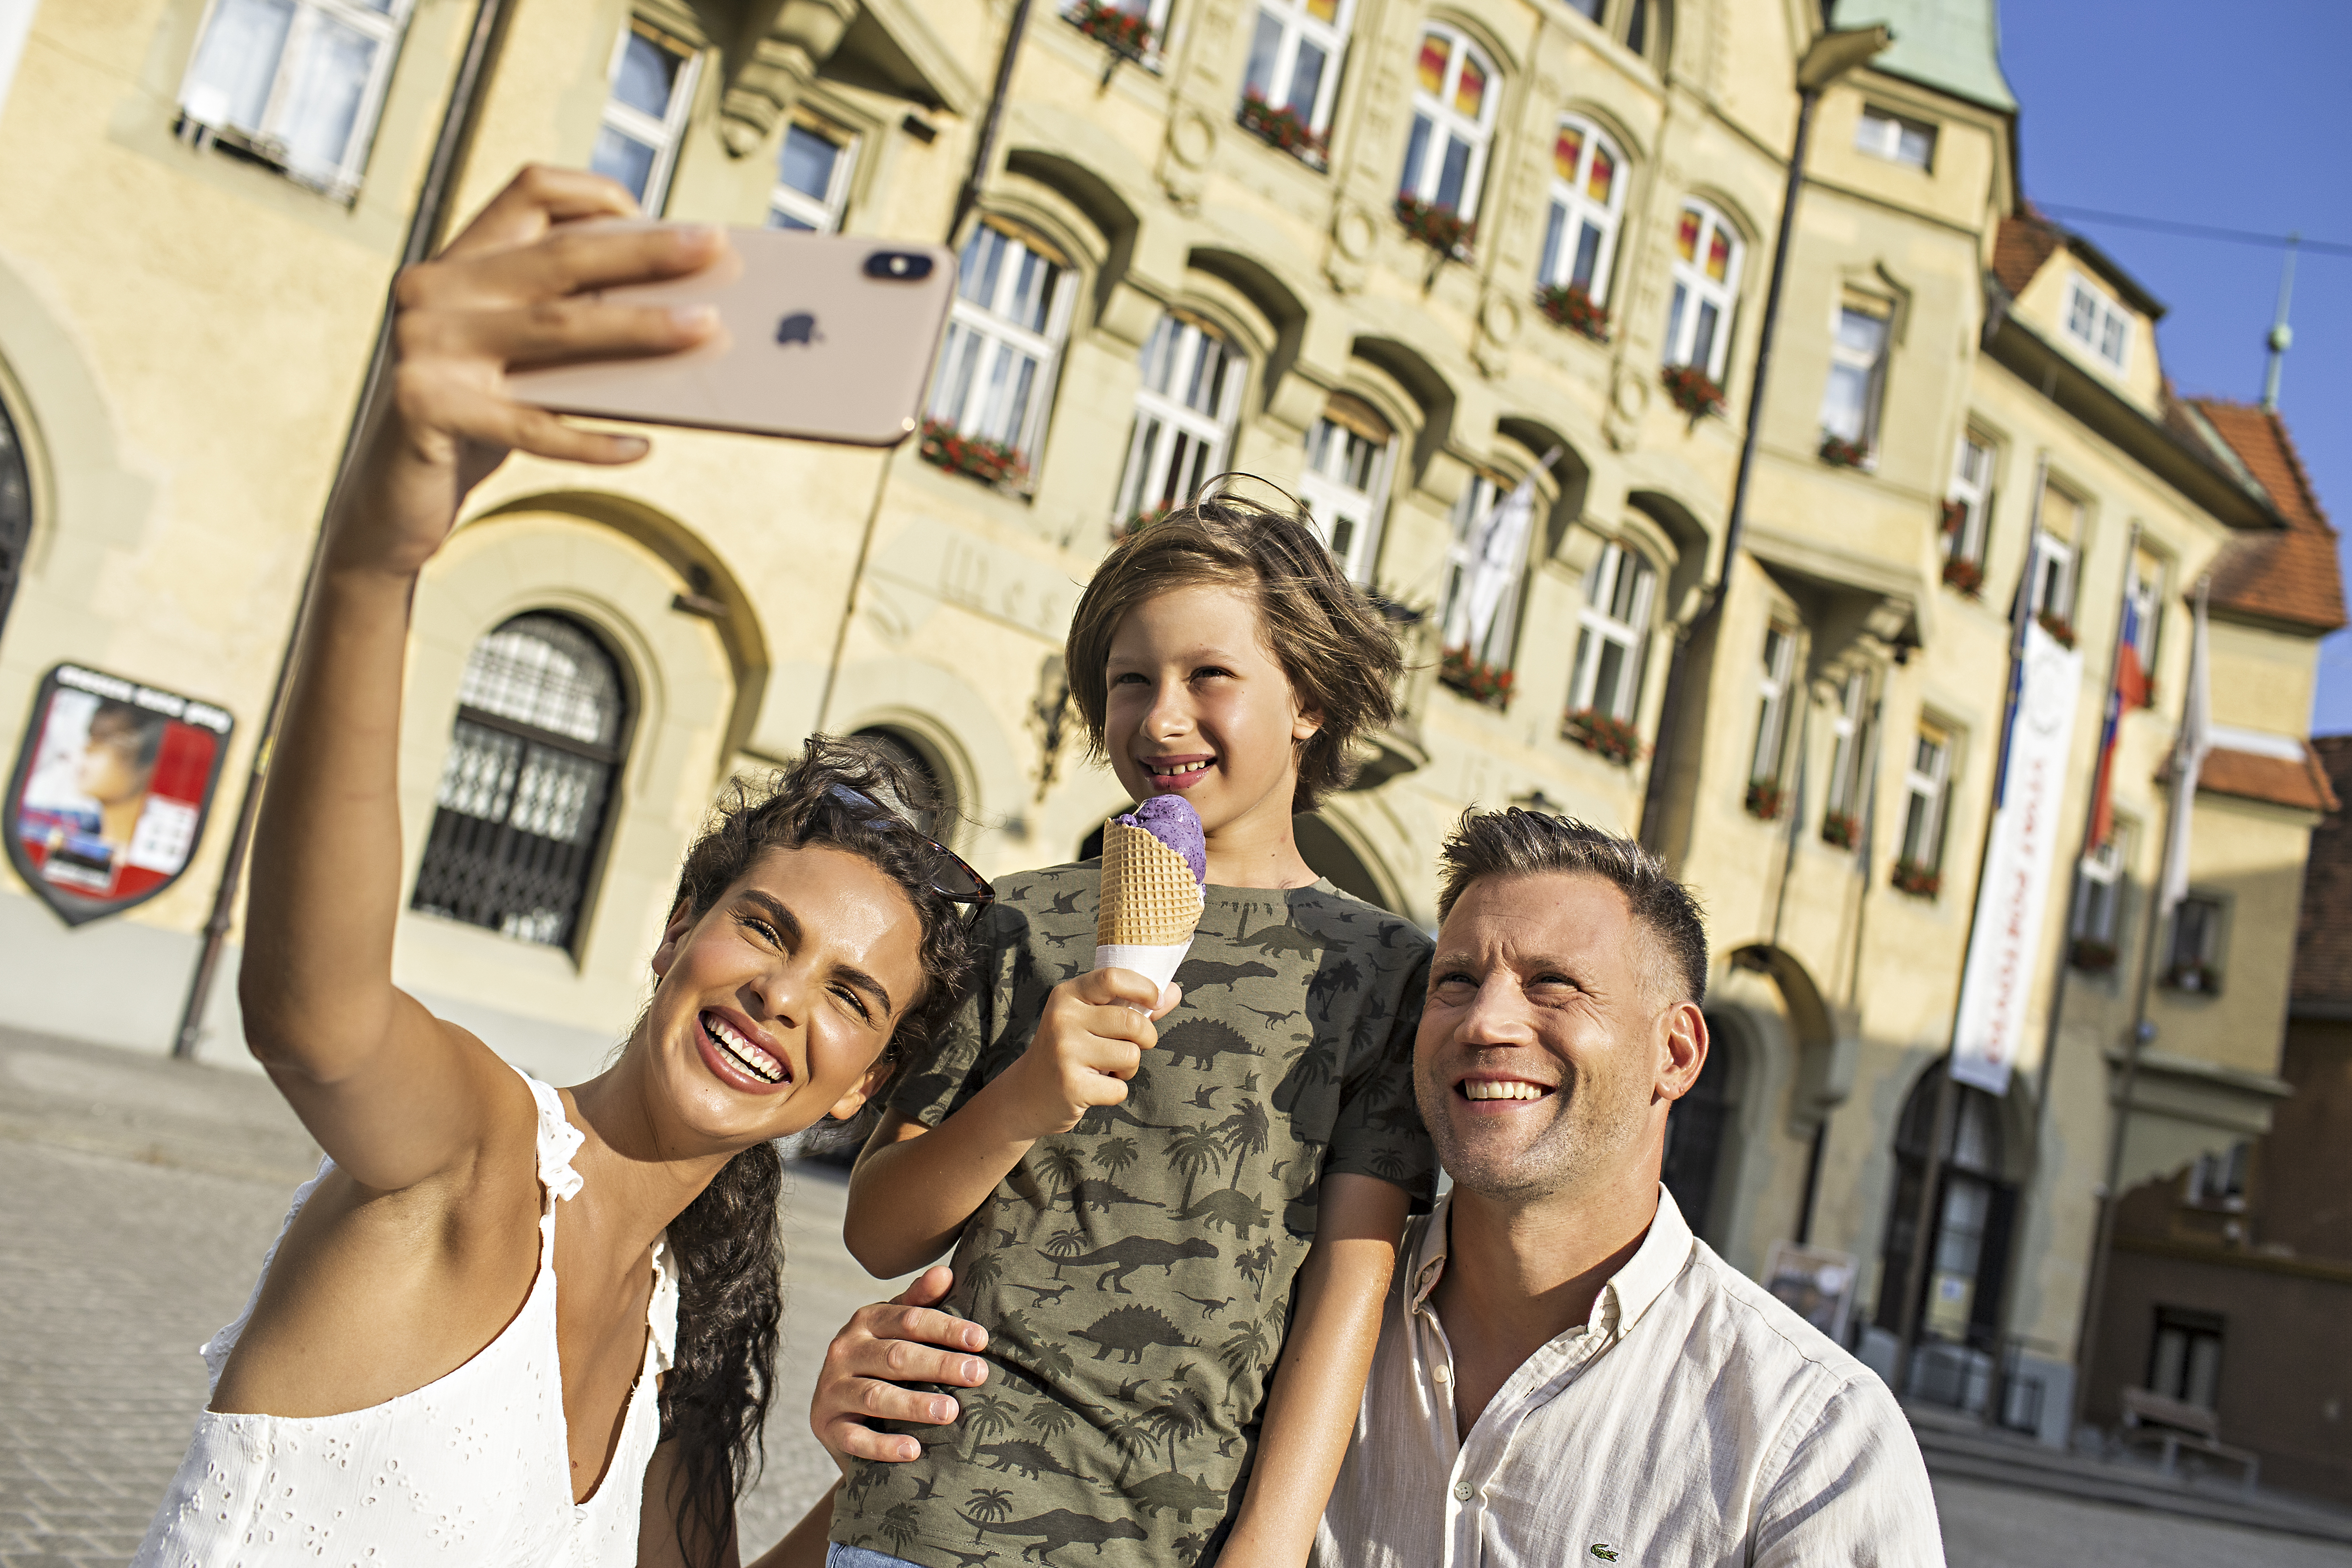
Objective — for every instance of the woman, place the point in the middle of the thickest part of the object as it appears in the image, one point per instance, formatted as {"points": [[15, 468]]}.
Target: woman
{"points": [[408, 1378]]}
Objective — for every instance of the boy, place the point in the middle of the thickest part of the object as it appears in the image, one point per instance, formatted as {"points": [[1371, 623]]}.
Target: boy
{"points": [[1178, 1235]]}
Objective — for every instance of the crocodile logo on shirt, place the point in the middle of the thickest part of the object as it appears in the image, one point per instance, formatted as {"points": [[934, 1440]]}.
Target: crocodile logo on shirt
{"points": [[1606, 1554]]}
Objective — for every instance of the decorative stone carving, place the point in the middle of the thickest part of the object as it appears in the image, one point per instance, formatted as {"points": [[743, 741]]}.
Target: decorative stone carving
{"points": [[1498, 328], [1353, 234], [780, 66], [1629, 399]]}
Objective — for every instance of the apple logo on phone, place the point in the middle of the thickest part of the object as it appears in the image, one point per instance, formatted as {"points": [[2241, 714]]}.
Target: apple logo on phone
{"points": [[800, 327]]}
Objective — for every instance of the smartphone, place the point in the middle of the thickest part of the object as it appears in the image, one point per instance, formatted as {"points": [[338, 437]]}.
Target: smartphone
{"points": [[826, 337]]}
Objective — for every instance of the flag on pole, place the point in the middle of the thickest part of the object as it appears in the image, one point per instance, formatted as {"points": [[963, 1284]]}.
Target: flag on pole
{"points": [[2196, 739], [2127, 691], [1497, 550]]}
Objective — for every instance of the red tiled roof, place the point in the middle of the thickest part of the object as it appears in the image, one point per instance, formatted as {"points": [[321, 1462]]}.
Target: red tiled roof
{"points": [[2272, 779], [2282, 574], [2019, 246], [2323, 937]]}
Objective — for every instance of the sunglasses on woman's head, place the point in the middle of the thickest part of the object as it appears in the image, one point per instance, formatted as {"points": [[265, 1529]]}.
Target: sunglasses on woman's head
{"points": [[950, 878]]}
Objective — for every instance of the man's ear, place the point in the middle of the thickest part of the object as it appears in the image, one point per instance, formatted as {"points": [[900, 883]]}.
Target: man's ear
{"points": [[673, 937], [851, 1103], [1682, 1050]]}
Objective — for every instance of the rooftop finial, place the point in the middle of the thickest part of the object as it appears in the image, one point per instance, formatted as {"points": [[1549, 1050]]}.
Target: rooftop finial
{"points": [[2281, 334]]}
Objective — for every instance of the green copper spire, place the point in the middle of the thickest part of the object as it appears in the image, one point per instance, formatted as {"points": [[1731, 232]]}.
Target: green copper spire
{"points": [[1952, 45]]}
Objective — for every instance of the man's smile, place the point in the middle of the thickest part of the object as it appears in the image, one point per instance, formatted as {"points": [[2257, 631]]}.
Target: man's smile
{"points": [[1478, 1088]]}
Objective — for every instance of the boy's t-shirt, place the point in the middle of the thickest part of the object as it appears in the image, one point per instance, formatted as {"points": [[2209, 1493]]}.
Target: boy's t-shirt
{"points": [[1135, 1273]]}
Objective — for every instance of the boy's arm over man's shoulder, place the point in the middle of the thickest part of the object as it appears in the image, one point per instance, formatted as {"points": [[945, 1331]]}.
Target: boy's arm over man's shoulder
{"points": [[1854, 1490]]}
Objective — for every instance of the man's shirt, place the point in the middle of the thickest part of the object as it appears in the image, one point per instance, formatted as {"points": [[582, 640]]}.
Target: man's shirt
{"points": [[1691, 1419]]}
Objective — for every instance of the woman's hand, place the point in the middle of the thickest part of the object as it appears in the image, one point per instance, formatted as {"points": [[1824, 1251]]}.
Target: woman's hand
{"points": [[518, 287], [881, 1347]]}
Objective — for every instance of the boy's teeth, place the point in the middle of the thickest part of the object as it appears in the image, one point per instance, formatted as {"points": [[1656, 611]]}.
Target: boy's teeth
{"points": [[755, 1060], [1483, 1089]]}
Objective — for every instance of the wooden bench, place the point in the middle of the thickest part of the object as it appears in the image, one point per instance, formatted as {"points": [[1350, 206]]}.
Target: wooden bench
{"points": [[2178, 1425]]}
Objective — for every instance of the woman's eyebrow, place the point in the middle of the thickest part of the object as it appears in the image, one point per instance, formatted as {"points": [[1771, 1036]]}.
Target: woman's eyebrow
{"points": [[789, 925]]}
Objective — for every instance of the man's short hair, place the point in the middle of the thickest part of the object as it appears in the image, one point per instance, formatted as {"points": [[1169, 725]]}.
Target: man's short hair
{"points": [[1521, 843]]}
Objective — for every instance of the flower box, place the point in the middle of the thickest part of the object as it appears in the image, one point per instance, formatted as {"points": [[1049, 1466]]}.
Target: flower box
{"points": [[1839, 453], [1917, 879], [1137, 522], [974, 456], [1841, 829], [1569, 306], [1766, 799], [1963, 574], [1124, 31], [1279, 126], [2200, 978], [1604, 734], [1475, 677], [2060, 628], [2091, 955], [1441, 230], [1954, 514], [1692, 392]]}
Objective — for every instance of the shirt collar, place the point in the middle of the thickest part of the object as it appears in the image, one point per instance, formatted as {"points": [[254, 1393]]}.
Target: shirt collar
{"points": [[1628, 1293]]}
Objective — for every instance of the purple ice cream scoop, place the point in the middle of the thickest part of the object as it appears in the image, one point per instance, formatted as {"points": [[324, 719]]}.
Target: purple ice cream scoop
{"points": [[1170, 819]]}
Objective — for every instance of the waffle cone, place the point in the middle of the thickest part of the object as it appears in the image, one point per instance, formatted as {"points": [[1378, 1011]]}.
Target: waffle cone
{"points": [[1149, 898]]}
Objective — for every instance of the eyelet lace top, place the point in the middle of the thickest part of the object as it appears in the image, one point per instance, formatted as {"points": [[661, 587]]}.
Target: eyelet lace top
{"points": [[473, 1467]]}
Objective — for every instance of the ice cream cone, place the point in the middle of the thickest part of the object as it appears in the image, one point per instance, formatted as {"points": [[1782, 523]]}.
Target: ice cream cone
{"points": [[1150, 903]]}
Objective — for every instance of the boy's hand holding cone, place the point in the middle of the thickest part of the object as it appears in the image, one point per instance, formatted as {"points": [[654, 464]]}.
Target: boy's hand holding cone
{"points": [[1096, 1027]]}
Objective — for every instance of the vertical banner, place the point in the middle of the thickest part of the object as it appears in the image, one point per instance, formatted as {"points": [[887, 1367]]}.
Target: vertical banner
{"points": [[111, 790], [2013, 896]]}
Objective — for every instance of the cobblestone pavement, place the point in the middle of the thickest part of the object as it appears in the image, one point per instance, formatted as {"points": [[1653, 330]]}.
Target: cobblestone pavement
{"points": [[136, 1199]]}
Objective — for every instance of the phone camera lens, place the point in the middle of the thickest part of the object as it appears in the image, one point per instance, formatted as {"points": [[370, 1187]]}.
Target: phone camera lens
{"points": [[899, 266]]}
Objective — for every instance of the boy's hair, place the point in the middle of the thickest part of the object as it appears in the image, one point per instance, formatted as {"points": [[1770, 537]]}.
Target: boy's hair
{"points": [[797, 807], [134, 731], [1333, 643], [1518, 843]]}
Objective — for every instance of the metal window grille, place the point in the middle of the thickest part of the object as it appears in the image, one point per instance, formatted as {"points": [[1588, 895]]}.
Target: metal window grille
{"points": [[15, 511], [532, 758]]}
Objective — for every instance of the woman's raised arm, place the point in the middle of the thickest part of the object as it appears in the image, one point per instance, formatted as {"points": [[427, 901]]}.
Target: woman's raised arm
{"points": [[392, 1093]]}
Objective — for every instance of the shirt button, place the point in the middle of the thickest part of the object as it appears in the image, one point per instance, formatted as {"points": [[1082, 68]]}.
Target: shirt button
{"points": [[1464, 1491], [1443, 1375]]}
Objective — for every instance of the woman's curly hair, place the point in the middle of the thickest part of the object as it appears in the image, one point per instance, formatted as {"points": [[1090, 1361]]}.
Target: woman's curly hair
{"points": [[730, 1253]]}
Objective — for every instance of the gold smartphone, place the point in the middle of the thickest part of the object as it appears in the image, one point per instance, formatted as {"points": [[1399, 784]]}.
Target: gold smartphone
{"points": [[824, 337]]}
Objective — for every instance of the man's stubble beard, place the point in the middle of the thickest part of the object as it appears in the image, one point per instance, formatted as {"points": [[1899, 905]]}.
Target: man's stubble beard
{"points": [[1592, 1125]]}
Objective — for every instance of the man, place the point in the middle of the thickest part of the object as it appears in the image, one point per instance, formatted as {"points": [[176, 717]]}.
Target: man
{"points": [[1565, 1373]]}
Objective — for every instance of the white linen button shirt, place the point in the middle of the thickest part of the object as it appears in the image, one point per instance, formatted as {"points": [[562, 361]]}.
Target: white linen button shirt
{"points": [[1693, 1419]]}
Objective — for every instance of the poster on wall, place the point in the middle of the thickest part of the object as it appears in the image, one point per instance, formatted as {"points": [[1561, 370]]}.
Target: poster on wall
{"points": [[111, 790]]}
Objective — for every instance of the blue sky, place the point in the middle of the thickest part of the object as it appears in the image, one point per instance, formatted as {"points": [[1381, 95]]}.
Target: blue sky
{"points": [[2229, 116]]}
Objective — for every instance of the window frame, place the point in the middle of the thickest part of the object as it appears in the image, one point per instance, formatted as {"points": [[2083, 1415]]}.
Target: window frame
{"points": [[665, 135], [2056, 556], [2100, 878], [1870, 369], [1689, 280], [1933, 785], [1363, 511], [341, 181], [1295, 23], [1000, 333], [2200, 974], [1849, 743], [1446, 123], [811, 214], [2145, 595], [1165, 415], [1572, 210], [2108, 320], [1975, 496], [1596, 625], [1776, 689], [1467, 511], [1893, 142]]}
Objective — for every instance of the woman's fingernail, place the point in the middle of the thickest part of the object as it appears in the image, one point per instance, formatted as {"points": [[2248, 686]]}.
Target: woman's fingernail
{"points": [[695, 236], [694, 318]]}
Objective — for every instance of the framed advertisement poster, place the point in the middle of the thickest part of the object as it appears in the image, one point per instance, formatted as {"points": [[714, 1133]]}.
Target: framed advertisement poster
{"points": [[1814, 1282], [111, 789]]}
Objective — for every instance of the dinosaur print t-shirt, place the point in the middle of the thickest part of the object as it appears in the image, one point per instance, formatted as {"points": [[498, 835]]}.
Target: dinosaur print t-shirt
{"points": [[1135, 1273]]}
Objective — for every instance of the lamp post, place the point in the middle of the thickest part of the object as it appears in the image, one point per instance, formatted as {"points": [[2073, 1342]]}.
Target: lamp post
{"points": [[1829, 56]]}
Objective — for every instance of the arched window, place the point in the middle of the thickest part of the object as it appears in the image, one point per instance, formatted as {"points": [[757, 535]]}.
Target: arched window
{"points": [[15, 510], [1184, 415], [1707, 281], [918, 758], [1968, 1249], [1612, 628], [1588, 197], [1004, 339], [1499, 647], [1453, 103], [1294, 60], [542, 721], [1344, 485]]}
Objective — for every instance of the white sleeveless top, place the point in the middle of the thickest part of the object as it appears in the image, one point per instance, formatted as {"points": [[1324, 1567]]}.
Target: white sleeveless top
{"points": [[474, 1467]]}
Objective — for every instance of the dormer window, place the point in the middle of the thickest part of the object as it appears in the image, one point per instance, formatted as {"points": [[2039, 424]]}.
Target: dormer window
{"points": [[2097, 322], [1896, 139]]}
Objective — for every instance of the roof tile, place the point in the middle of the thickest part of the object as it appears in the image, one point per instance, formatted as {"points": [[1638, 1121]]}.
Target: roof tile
{"points": [[2287, 575], [2272, 779], [2019, 246]]}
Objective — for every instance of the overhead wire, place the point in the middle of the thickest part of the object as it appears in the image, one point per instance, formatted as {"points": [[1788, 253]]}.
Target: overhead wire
{"points": [[2198, 230]]}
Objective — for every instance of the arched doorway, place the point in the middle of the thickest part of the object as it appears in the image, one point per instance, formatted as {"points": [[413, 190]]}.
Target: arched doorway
{"points": [[15, 510], [941, 822], [1957, 1310]]}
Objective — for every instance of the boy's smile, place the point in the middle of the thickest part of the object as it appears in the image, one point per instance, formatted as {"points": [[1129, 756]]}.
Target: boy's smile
{"points": [[1199, 706]]}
